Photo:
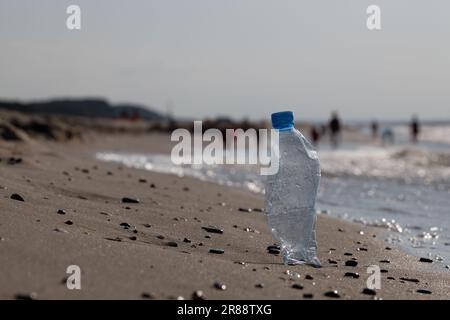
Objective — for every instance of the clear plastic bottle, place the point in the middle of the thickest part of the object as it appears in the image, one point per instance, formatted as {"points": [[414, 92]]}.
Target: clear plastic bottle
{"points": [[291, 194]]}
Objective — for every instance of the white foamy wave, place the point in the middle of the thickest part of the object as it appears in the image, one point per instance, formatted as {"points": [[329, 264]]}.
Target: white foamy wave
{"points": [[408, 164]]}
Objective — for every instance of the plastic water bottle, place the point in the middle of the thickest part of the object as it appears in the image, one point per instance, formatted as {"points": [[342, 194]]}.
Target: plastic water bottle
{"points": [[291, 193]]}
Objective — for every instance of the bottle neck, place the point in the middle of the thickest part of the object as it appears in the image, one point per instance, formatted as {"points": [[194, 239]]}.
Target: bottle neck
{"points": [[285, 128]]}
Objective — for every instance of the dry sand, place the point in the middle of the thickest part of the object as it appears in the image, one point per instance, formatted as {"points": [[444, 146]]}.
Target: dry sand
{"points": [[37, 244]]}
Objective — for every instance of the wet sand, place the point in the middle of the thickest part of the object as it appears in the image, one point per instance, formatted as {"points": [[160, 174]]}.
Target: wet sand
{"points": [[159, 248]]}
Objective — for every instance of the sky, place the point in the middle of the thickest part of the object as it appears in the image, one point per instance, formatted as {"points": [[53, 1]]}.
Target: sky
{"points": [[236, 58]]}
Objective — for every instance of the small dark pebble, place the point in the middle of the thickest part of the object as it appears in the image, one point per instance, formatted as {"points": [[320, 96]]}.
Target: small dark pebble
{"points": [[26, 296], [385, 261], [308, 295], [125, 225], [17, 197], [332, 294], [213, 229], [207, 236], [142, 181], [309, 277], [147, 225], [351, 263], [117, 239], [172, 244], [152, 185], [259, 285], [274, 247], [147, 295], [410, 280], [362, 249], [186, 240], [160, 237], [297, 286], [258, 210], [245, 209], [426, 260], [219, 286], [69, 222], [12, 161], [390, 278], [133, 238], [384, 271], [129, 200], [369, 292], [185, 189], [198, 295], [60, 211], [388, 248], [216, 251], [423, 291], [353, 275], [348, 254], [274, 251], [332, 261]]}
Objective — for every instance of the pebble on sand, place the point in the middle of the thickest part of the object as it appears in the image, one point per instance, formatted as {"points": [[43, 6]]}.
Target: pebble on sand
{"points": [[423, 291], [212, 229], [426, 260], [61, 211], [297, 286], [217, 251], [245, 209], [172, 244], [26, 296], [125, 225], [129, 200], [259, 285], [69, 222], [146, 295], [369, 292], [220, 286], [17, 197], [353, 275], [410, 279], [198, 295], [351, 263], [332, 294]]}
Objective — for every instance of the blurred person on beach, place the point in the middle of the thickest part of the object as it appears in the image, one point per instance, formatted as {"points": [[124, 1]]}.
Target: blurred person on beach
{"points": [[315, 135], [334, 127], [387, 136], [415, 129], [374, 128]]}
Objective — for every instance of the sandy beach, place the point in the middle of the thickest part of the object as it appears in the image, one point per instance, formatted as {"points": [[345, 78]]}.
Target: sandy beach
{"points": [[73, 213]]}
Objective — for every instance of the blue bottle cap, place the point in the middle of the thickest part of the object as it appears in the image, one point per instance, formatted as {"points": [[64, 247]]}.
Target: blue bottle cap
{"points": [[283, 120]]}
